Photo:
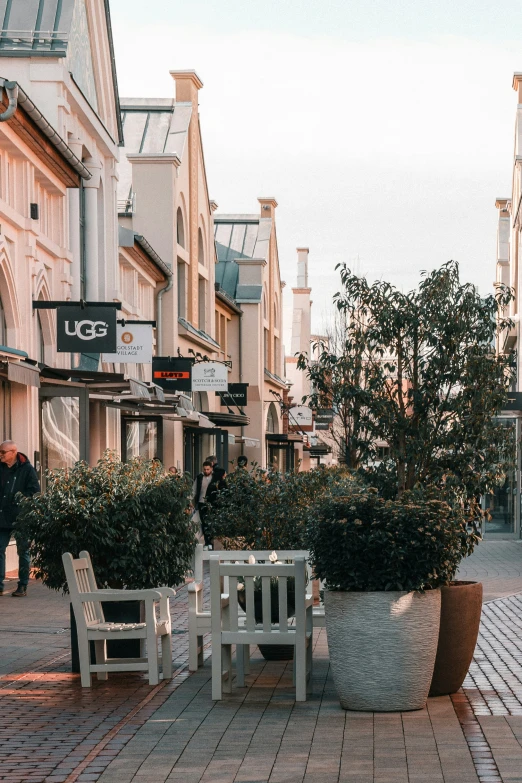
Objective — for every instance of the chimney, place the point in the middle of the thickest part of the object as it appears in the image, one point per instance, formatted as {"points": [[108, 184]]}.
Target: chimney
{"points": [[268, 207], [188, 85], [302, 267]]}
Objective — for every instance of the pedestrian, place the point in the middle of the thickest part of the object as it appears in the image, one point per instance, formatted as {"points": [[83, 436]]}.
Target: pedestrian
{"points": [[213, 460], [199, 493], [242, 461], [218, 483], [173, 470], [16, 475]]}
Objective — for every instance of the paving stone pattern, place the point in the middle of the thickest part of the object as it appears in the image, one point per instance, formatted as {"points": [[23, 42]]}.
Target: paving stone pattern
{"points": [[122, 730]]}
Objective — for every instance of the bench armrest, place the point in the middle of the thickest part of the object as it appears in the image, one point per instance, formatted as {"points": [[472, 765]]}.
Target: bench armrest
{"points": [[195, 587], [119, 595]]}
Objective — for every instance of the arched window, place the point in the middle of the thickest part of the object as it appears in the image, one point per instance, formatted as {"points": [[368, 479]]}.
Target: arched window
{"points": [[180, 227], [272, 424], [3, 325], [40, 342], [201, 249]]}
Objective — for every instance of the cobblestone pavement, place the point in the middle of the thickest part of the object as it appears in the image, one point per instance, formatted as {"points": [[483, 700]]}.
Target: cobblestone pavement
{"points": [[123, 730]]}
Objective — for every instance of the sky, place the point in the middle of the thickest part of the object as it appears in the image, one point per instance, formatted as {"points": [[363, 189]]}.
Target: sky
{"points": [[384, 129]]}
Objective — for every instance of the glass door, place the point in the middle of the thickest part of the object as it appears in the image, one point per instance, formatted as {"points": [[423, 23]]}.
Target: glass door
{"points": [[142, 436], [64, 427], [503, 506]]}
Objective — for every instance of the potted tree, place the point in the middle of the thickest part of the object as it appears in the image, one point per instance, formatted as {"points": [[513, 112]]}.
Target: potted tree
{"points": [[383, 562], [420, 373], [133, 519]]}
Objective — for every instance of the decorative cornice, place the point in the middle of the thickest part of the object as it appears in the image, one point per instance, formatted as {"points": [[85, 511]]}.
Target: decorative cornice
{"points": [[187, 76], [140, 157]]}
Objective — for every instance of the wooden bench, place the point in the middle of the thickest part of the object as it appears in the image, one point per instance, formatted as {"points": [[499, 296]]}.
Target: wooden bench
{"points": [[232, 625], [86, 600], [199, 619]]}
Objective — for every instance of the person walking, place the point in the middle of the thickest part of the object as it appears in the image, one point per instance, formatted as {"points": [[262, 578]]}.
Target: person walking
{"points": [[199, 494], [16, 475], [213, 461]]}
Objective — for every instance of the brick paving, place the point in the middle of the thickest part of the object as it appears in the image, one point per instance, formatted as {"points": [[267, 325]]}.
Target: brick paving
{"points": [[122, 730]]}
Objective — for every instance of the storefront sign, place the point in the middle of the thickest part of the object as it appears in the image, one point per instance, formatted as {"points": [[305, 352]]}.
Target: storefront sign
{"points": [[134, 344], [209, 376], [171, 373], [300, 416], [236, 394], [321, 426], [86, 330], [323, 416]]}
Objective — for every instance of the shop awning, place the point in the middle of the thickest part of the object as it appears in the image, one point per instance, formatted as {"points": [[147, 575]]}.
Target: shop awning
{"points": [[227, 419], [22, 372]]}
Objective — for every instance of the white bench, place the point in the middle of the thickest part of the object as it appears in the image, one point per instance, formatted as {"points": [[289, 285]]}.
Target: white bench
{"points": [[233, 626], [199, 619], [86, 600]]}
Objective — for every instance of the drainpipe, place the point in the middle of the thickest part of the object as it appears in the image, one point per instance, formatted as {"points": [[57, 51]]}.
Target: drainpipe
{"points": [[11, 89], [240, 341], [159, 302]]}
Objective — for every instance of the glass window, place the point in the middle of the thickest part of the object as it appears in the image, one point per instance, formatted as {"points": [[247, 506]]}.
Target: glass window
{"points": [[60, 432], [501, 505], [182, 297], [3, 325], [141, 439], [202, 304], [180, 227]]}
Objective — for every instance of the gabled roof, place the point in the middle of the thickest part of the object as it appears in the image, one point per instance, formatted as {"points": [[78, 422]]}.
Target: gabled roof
{"points": [[240, 237], [151, 126], [43, 28]]}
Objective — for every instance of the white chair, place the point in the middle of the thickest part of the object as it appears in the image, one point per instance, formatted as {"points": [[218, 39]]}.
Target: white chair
{"points": [[231, 626], [86, 600], [199, 622]]}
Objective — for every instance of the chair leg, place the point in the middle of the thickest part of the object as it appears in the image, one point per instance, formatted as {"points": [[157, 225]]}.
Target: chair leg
{"points": [[240, 665], [300, 669], [100, 648], [246, 658], [85, 661], [193, 645], [166, 656], [217, 669], [310, 663], [152, 655], [227, 662]]}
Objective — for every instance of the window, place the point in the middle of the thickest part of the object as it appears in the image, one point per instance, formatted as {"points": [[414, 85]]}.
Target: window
{"points": [[265, 349], [180, 228], [271, 419], [182, 295], [201, 249], [202, 309], [3, 325], [40, 342]]}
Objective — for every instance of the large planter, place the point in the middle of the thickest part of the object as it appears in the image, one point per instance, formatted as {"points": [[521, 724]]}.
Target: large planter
{"points": [[114, 612], [461, 606], [273, 652], [382, 647]]}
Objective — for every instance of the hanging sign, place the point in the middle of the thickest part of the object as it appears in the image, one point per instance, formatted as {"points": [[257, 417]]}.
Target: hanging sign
{"points": [[236, 394], [133, 344], [171, 373], [86, 329], [323, 416], [209, 376], [300, 416]]}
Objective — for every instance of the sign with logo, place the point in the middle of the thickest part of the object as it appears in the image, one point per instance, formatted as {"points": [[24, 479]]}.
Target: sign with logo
{"points": [[209, 376], [133, 344], [323, 416], [171, 373], [321, 426], [236, 394], [86, 330], [514, 402], [300, 416]]}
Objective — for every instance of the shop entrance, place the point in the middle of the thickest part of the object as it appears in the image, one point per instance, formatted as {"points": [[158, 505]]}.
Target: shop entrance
{"points": [[503, 506], [141, 436], [202, 443]]}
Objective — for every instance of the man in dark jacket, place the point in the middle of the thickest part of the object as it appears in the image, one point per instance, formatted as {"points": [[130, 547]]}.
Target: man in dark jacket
{"points": [[16, 475]]}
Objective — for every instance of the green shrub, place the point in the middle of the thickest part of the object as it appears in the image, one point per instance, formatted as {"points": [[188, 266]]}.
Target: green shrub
{"points": [[261, 510], [131, 517], [359, 541]]}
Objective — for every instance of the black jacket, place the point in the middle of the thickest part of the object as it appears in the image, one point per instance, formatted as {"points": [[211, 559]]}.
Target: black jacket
{"points": [[20, 477]]}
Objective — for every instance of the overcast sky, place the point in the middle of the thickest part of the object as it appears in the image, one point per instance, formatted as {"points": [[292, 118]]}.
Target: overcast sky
{"points": [[384, 129]]}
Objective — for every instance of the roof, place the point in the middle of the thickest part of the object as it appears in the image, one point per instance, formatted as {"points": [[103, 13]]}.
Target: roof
{"points": [[240, 237], [44, 28], [151, 126]]}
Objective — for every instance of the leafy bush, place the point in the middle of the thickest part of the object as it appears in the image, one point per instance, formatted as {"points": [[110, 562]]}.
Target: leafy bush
{"points": [[359, 541], [131, 517], [261, 510]]}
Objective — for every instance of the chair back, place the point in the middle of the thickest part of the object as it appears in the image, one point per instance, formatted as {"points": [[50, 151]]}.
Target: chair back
{"points": [[259, 595], [80, 579], [231, 556]]}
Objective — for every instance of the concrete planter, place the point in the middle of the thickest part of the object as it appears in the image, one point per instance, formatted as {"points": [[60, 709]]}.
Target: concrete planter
{"points": [[382, 647], [461, 606]]}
